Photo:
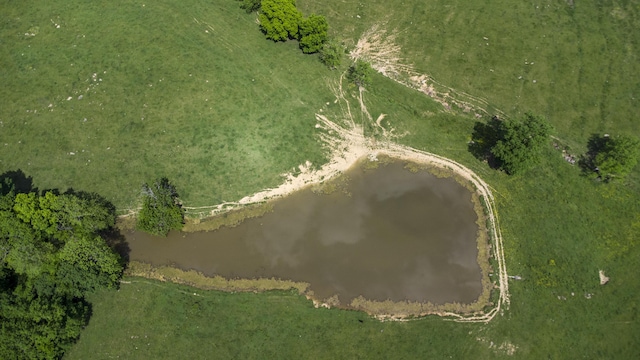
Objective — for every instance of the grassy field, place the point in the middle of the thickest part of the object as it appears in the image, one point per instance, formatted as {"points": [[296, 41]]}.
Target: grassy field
{"points": [[167, 90], [253, 120], [167, 321], [581, 56]]}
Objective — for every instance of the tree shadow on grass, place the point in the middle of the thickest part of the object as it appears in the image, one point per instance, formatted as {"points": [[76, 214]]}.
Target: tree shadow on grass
{"points": [[16, 181], [484, 138], [93, 198], [595, 144]]}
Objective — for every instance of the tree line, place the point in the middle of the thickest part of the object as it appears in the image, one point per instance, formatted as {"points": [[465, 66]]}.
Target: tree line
{"points": [[52, 254], [516, 146], [280, 20], [54, 251]]}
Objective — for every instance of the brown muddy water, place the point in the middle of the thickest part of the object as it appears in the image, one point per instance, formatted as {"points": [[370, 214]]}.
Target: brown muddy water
{"points": [[385, 233]]}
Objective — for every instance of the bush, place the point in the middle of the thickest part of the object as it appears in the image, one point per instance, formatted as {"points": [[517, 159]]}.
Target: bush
{"points": [[279, 19], [250, 5], [360, 73], [520, 143], [612, 157], [313, 33], [331, 54], [161, 211]]}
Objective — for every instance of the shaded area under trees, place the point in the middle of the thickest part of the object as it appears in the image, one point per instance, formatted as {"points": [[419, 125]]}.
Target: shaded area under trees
{"points": [[51, 255], [610, 157], [512, 146]]}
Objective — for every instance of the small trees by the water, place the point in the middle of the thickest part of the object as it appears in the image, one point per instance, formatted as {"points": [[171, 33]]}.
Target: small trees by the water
{"points": [[161, 211]]}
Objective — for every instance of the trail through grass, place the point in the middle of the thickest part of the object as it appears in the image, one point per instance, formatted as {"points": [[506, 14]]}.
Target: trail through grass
{"points": [[254, 119]]}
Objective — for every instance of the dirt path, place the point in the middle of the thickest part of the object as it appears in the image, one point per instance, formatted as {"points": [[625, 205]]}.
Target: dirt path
{"points": [[347, 144], [378, 47], [345, 140]]}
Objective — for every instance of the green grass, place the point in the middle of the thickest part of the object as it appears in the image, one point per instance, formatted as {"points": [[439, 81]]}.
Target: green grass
{"points": [[167, 321], [584, 57], [559, 227], [217, 109]]}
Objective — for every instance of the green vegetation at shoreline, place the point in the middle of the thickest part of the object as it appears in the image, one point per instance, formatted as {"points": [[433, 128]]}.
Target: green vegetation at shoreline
{"points": [[192, 91]]}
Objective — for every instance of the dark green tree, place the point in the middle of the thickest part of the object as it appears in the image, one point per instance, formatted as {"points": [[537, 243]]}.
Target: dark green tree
{"points": [[250, 5], [520, 143], [331, 54], [360, 73], [51, 256], [613, 157], [279, 19], [86, 264], [161, 210], [313, 33], [37, 325]]}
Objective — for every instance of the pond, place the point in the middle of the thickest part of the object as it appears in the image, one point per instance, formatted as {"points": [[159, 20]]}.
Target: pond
{"points": [[385, 233]]}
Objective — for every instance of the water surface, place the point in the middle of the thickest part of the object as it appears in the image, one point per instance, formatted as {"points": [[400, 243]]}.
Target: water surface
{"points": [[387, 233]]}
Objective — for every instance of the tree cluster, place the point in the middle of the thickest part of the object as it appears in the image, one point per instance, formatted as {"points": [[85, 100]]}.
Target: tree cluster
{"points": [[51, 255], [161, 210], [280, 20], [513, 146]]}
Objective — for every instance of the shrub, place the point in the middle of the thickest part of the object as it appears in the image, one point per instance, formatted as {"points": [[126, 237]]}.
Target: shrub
{"points": [[331, 54], [161, 211], [360, 73], [313, 33], [279, 19], [250, 5]]}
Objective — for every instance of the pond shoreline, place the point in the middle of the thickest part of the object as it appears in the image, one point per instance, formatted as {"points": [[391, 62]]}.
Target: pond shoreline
{"points": [[383, 310], [348, 144]]}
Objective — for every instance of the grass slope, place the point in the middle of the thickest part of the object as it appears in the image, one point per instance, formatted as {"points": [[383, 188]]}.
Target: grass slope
{"points": [[559, 228], [582, 55], [167, 321], [188, 90]]}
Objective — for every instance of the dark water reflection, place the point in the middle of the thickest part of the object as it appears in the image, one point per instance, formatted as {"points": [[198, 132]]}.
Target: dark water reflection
{"points": [[396, 235]]}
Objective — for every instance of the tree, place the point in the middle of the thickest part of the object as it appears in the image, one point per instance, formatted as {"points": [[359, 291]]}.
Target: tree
{"points": [[360, 73], [86, 264], [250, 5], [51, 256], [279, 19], [331, 54], [37, 326], [520, 143], [161, 210], [313, 33], [61, 216], [613, 157]]}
